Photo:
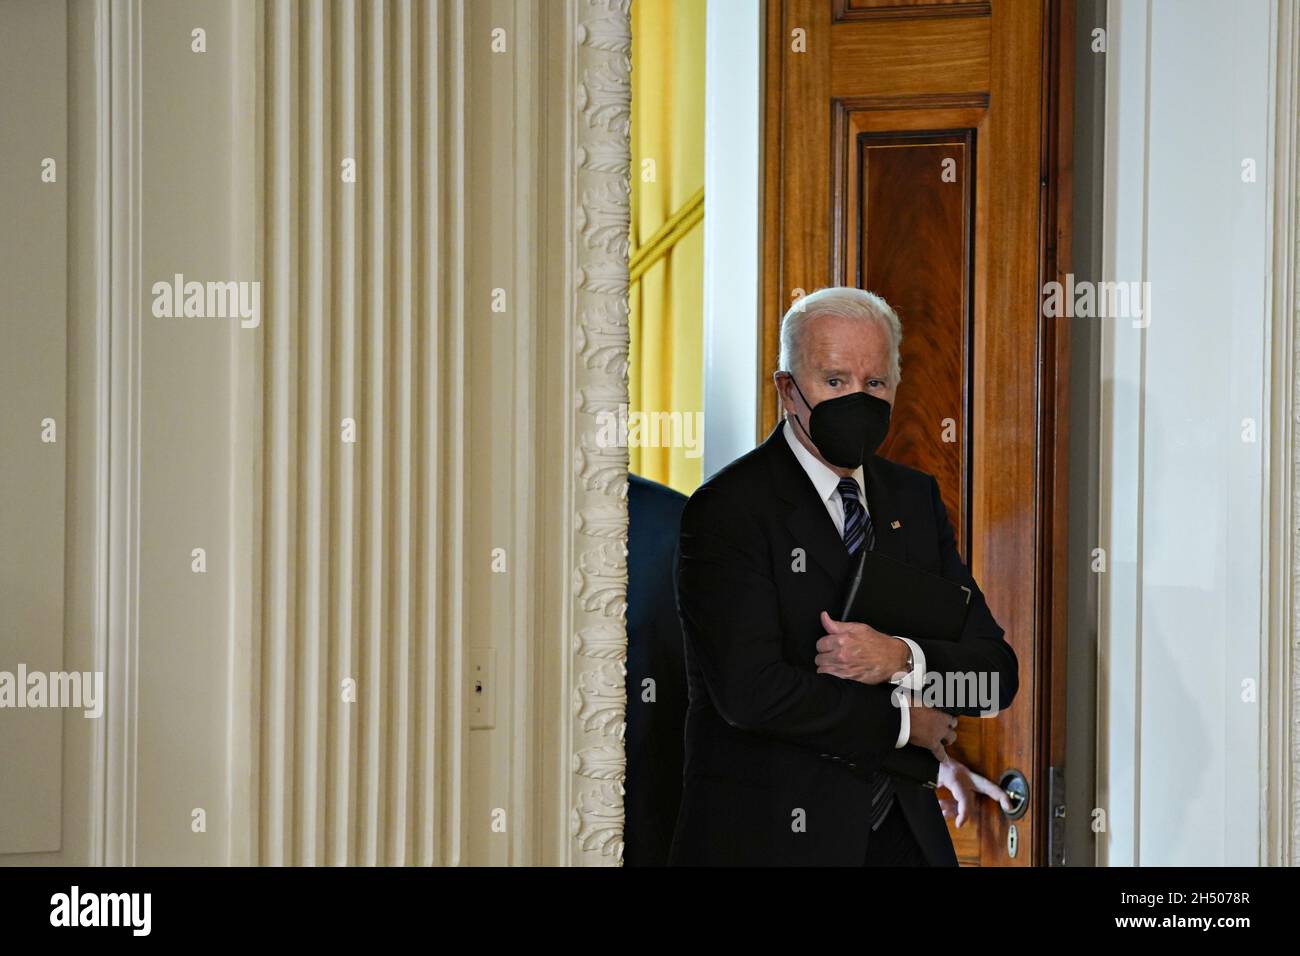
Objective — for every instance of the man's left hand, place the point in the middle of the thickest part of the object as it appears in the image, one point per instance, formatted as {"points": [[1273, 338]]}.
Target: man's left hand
{"points": [[966, 786], [859, 652]]}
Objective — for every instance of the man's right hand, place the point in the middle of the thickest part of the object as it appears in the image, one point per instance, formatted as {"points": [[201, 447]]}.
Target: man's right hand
{"points": [[931, 728]]}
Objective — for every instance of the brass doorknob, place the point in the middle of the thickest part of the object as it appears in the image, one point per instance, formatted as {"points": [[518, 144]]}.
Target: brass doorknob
{"points": [[1017, 788]]}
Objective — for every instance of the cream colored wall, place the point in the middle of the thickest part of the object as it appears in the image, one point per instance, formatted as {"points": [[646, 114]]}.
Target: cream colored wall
{"points": [[1189, 629], [329, 560], [155, 463], [33, 370]]}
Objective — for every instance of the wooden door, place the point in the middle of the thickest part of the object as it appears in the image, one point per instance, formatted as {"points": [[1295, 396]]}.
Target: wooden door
{"points": [[919, 150]]}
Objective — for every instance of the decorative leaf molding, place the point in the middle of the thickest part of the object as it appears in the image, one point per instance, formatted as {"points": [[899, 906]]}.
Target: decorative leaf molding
{"points": [[602, 219]]}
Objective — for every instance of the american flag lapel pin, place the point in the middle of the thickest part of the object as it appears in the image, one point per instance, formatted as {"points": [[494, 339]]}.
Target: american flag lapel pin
{"points": [[895, 525]]}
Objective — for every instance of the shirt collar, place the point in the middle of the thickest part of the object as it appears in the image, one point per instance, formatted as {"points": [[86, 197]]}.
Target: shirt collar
{"points": [[824, 480]]}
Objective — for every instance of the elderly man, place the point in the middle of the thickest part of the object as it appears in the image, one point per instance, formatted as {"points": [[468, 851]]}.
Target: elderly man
{"points": [[793, 714]]}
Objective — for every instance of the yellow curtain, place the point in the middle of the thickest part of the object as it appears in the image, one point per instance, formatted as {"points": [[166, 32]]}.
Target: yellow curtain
{"points": [[666, 370]]}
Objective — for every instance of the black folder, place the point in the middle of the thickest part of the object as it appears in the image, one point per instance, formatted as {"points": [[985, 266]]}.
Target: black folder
{"points": [[898, 599]]}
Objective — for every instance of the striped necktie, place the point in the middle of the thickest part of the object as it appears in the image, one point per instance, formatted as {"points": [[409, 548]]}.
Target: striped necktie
{"points": [[859, 532]]}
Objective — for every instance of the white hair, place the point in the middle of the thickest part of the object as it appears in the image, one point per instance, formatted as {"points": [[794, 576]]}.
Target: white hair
{"points": [[838, 300]]}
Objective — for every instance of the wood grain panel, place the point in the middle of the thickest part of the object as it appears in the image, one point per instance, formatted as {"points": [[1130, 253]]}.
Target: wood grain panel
{"points": [[914, 230], [898, 57], [858, 115], [1004, 423], [891, 9], [806, 140], [1053, 494]]}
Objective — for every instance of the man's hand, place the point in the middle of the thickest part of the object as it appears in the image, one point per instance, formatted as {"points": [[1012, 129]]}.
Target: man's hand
{"points": [[859, 652], [966, 785], [931, 729]]}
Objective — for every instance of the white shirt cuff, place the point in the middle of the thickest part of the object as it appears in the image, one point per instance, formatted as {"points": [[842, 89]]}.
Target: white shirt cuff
{"points": [[905, 721], [912, 681], [915, 680]]}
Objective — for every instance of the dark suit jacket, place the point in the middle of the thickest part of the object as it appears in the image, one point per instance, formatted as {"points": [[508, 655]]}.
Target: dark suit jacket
{"points": [[655, 729], [760, 717]]}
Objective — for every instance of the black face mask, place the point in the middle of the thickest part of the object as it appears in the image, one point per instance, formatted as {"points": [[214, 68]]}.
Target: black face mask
{"points": [[846, 429]]}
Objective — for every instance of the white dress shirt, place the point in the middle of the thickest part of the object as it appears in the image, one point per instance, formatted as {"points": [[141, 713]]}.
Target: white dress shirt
{"points": [[827, 484]]}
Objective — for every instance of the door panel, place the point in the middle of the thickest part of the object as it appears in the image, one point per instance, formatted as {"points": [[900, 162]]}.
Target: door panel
{"points": [[909, 240], [865, 102]]}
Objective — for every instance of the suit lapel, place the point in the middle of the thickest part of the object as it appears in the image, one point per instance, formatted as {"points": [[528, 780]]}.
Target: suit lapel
{"points": [[813, 529], [890, 540], [811, 525], [807, 518]]}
